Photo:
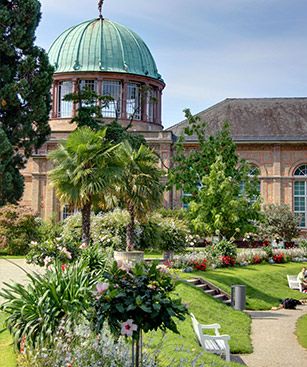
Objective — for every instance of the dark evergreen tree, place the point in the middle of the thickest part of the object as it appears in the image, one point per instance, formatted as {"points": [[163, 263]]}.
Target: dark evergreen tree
{"points": [[11, 181], [25, 81]]}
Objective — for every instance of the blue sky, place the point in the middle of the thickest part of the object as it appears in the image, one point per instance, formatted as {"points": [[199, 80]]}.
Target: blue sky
{"points": [[206, 50]]}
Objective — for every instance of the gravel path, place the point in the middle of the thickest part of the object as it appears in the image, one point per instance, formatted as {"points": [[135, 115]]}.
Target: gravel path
{"points": [[274, 341], [11, 272]]}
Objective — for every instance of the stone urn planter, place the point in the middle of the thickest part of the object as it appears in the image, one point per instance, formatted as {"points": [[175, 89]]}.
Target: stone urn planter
{"points": [[132, 257]]}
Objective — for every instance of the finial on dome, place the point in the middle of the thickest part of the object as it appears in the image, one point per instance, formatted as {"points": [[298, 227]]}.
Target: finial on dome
{"points": [[100, 5]]}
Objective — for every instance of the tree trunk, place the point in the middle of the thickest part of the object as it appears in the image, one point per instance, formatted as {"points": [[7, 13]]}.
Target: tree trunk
{"points": [[130, 229], [86, 223]]}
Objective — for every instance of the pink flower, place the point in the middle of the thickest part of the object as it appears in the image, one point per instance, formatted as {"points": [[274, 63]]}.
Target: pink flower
{"points": [[101, 287], [83, 246], [128, 328]]}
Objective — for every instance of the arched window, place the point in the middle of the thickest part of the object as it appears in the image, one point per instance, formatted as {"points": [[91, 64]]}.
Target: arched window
{"points": [[300, 194]]}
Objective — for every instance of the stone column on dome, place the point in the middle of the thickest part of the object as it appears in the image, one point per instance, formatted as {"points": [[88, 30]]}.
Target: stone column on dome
{"points": [[159, 112], [124, 99], [144, 97], [55, 107], [99, 89], [74, 90], [53, 95]]}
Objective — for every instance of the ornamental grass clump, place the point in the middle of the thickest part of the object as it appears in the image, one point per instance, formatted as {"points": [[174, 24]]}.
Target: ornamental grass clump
{"points": [[132, 300]]}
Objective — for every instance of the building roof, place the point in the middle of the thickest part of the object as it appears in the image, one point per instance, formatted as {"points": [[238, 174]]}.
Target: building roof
{"points": [[256, 119], [102, 45]]}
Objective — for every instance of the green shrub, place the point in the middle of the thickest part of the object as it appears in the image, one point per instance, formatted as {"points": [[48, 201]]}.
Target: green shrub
{"points": [[49, 251], [18, 227], [107, 229], [164, 233], [303, 244], [50, 230], [226, 248], [278, 222]]}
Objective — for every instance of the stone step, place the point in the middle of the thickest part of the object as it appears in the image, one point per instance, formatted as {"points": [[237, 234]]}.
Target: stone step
{"points": [[193, 281], [220, 297], [210, 292], [202, 286]]}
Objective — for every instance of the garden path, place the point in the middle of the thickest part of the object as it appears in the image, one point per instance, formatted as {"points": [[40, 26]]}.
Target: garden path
{"points": [[10, 271], [274, 341]]}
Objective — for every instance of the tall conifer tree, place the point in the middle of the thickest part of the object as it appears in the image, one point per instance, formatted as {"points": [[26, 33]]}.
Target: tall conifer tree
{"points": [[25, 81]]}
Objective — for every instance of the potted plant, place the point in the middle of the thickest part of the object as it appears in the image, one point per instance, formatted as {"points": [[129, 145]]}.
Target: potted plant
{"points": [[139, 191], [136, 300]]}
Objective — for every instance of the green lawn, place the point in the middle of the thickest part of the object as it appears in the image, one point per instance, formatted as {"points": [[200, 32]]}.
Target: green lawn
{"points": [[301, 331], [265, 284], [8, 358], [207, 310], [153, 255]]}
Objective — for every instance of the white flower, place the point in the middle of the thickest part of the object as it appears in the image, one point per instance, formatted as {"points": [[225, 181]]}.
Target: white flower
{"points": [[47, 260], [128, 327], [66, 253]]}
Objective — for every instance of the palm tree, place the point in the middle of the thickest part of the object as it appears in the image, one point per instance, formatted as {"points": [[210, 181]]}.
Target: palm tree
{"points": [[139, 189], [85, 166]]}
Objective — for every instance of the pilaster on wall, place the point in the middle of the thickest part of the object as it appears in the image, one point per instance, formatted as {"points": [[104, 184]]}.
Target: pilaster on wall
{"points": [[51, 206], [277, 186]]}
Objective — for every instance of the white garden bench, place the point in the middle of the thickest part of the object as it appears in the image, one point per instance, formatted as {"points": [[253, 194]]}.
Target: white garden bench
{"points": [[217, 344], [294, 283]]}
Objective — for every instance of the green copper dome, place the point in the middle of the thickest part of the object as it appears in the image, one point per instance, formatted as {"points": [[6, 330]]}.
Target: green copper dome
{"points": [[102, 45]]}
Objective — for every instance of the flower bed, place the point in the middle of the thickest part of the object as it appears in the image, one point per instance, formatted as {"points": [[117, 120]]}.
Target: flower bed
{"points": [[209, 258]]}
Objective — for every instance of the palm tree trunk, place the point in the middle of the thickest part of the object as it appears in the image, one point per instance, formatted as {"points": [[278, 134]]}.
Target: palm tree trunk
{"points": [[86, 223], [130, 229]]}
